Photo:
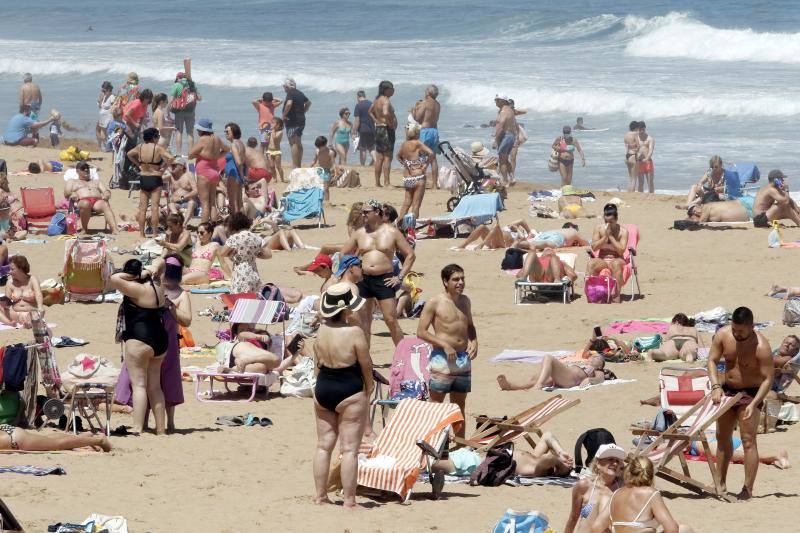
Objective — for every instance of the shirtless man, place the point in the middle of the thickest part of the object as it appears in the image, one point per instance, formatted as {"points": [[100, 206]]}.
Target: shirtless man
{"points": [[382, 114], [233, 134], [644, 166], [748, 370], [426, 112], [30, 95], [713, 181], [738, 210], [376, 244], [505, 136], [566, 237], [257, 165], [631, 140], [454, 341], [774, 203], [554, 373], [183, 189], [610, 240], [91, 196]]}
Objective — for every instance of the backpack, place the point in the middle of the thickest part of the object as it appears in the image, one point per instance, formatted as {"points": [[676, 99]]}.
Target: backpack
{"points": [[58, 225], [513, 259], [521, 522], [600, 289], [791, 313], [271, 292], [498, 466], [186, 100], [591, 439], [15, 367]]}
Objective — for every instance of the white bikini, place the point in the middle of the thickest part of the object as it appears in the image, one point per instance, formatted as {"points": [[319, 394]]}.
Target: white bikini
{"points": [[647, 524]]}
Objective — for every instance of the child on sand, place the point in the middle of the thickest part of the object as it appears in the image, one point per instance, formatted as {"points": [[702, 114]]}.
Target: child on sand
{"points": [[324, 161], [274, 148]]}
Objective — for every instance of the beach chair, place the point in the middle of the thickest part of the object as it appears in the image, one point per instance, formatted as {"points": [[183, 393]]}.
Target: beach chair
{"points": [[676, 439], [492, 432], [8, 522], [87, 269], [39, 206], [409, 363], [305, 195], [563, 288], [629, 271], [472, 210], [681, 388], [394, 461], [246, 311]]}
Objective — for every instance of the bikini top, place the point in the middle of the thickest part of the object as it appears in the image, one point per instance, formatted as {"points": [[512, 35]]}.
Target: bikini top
{"points": [[200, 253], [647, 524], [586, 510], [25, 294], [152, 160], [411, 163]]}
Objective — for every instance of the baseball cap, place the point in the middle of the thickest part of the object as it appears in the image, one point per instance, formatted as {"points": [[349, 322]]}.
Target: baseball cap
{"points": [[180, 75], [180, 160], [320, 260], [610, 451], [346, 262], [502, 97]]}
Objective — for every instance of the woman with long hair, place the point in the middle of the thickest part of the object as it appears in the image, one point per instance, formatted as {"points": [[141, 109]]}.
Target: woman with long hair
{"points": [[152, 159]]}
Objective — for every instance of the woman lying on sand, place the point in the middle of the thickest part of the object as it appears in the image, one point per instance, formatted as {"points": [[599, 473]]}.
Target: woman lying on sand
{"points": [[789, 292], [680, 342], [14, 438], [498, 237], [554, 373]]}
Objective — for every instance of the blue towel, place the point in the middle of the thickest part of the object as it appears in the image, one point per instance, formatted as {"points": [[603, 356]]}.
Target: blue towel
{"points": [[303, 204], [481, 207]]}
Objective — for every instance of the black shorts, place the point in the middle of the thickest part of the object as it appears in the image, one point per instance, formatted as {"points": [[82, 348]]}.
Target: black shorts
{"points": [[150, 183], [761, 221], [366, 140], [384, 140], [375, 287]]}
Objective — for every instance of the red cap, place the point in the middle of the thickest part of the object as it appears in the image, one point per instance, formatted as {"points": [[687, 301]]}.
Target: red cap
{"points": [[180, 75], [321, 260]]}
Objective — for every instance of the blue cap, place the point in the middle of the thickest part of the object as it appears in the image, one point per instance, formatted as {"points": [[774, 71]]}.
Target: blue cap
{"points": [[346, 262], [205, 124]]}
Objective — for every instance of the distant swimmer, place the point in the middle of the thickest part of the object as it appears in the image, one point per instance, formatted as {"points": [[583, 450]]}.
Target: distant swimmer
{"points": [[579, 124], [89, 29]]}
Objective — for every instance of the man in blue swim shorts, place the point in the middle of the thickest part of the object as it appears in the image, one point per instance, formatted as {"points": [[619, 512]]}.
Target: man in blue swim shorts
{"points": [[505, 135], [426, 112], [454, 340]]}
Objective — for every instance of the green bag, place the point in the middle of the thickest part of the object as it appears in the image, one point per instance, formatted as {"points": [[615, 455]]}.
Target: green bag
{"points": [[9, 407], [642, 344]]}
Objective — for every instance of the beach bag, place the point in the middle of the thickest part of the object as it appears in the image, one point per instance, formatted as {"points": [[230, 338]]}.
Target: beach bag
{"points": [[447, 179], [647, 343], [186, 100], [522, 135], [664, 419], [591, 439], [301, 381], [496, 468], [522, 522], [72, 223], [15, 367], [791, 313], [185, 336], [513, 259], [600, 289], [271, 292], [58, 225], [552, 163], [412, 388]]}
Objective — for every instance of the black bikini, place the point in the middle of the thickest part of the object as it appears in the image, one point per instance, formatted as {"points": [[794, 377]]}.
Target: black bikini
{"points": [[335, 385], [145, 324], [147, 182]]}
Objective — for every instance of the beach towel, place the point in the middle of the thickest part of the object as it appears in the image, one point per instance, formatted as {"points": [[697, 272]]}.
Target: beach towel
{"points": [[637, 326], [34, 470], [513, 481], [782, 295], [579, 388], [527, 356], [210, 290]]}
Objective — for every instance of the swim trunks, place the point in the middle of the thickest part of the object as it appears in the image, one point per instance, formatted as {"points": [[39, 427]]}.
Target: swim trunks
{"points": [[324, 173], [256, 174], [465, 461], [761, 220], [184, 121], [366, 140], [555, 238], [747, 203], [748, 395], [92, 200], [449, 376], [384, 140], [645, 167], [374, 286], [430, 137], [506, 143], [295, 131]]}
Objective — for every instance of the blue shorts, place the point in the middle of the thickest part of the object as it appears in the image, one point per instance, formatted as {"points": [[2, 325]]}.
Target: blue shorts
{"points": [[430, 138], [694, 448], [747, 202], [506, 143], [553, 237], [447, 376], [263, 134], [295, 131], [324, 173]]}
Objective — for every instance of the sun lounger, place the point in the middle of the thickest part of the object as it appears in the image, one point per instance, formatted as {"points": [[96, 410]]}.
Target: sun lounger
{"points": [[562, 288], [305, 196], [394, 460], [475, 209], [496, 431], [681, 388], [676, 439]]}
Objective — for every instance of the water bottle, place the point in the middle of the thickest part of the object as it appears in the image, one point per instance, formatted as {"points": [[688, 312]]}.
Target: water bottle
{"points": [[774, 238]]}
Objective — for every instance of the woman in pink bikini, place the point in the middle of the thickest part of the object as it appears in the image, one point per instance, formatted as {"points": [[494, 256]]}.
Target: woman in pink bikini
{"points": [[207, 151], [204, 254]]}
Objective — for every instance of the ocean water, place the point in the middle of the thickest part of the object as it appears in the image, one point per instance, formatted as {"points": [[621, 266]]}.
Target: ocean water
{"points": [[713, 77]]}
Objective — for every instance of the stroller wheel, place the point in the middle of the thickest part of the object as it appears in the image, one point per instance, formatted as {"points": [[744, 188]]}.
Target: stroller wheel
{"points": [[452, 203], [53, 409]]}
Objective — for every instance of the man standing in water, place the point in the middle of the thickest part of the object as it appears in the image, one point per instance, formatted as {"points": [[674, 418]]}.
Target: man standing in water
{"points": [[376, 244], [748, 370], [30, 95], [644, 166], [426, 112], [454, 340], [382, 114], [295, 107], [505, 135]]}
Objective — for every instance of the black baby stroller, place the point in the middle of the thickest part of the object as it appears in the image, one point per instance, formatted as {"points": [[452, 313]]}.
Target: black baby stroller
{"points": [[124, 175], [472, 176]]}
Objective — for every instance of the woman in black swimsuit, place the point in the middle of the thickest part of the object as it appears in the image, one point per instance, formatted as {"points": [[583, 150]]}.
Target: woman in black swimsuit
{"points": [[344, 383], [142, 330], [151, 159]]}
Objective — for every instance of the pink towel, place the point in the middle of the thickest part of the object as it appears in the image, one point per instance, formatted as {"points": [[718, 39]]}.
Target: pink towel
{"points": [[636, 326]]}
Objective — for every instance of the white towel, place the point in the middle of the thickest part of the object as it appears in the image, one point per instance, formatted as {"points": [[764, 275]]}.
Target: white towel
{"points": [[579, 388]]}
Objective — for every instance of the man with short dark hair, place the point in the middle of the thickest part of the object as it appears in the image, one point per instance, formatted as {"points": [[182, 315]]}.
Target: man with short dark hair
{"points": [[90, 196], [364, 127], [21, 129], [426, 112], [749, 371], [295, 106], [774, 203], [382, 114]]}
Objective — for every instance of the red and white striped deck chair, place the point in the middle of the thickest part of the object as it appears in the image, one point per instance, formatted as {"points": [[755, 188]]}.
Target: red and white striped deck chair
{"points": [[676, 439], [495, 431], [413, 420]]}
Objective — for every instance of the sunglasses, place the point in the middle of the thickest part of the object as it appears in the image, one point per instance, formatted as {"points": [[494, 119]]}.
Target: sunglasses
{"points": [[367, 212]]}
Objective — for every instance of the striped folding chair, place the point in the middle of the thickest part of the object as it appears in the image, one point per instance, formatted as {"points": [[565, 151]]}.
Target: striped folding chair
{"points": [[413, 421], [675, 440], [527, 425]]}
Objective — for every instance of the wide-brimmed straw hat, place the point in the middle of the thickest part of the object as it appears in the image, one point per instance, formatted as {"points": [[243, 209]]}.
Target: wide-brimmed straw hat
{"points": [[479, 150], [337, 298]]}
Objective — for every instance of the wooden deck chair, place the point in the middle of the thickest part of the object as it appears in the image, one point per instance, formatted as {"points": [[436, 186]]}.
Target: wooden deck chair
{"points": [[562, 288], [527, 425], [39, 206], [413, 421], [676, 439], [8, 522]]}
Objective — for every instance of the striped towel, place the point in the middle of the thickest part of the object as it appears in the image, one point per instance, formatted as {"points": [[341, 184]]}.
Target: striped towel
{"points": [[248, 311], [34, 470]]}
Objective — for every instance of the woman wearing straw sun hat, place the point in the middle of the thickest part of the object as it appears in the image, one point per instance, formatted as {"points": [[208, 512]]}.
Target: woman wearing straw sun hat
{"points": [[344, 383]]}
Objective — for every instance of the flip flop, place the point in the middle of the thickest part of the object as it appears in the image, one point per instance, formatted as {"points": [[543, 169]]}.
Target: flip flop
{"points": [[251, 420], [266, 422], [68, 341]]}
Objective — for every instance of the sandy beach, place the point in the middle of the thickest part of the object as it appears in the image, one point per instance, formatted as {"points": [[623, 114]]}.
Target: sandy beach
{"points": [[220, 479]]}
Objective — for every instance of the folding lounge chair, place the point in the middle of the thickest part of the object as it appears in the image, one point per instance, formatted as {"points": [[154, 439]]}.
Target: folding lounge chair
{"points": [[676, 440], [306, 193], [495, 431], [246, 311], [87, 269], [629, 272], [563, 288], [681, 388], [475, 209], [413, 421], [39, 206]]}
